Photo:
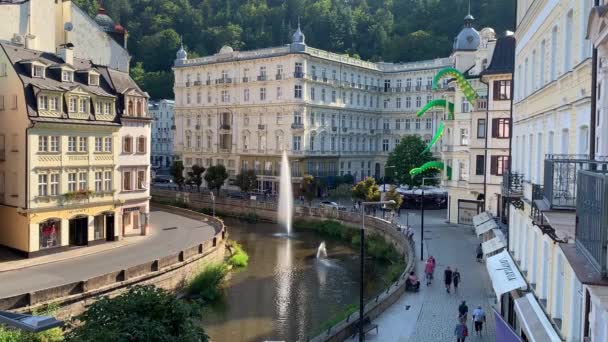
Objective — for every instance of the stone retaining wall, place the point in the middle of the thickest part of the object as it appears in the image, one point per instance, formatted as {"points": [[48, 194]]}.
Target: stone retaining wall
{"points": [[170, 272], [267, 211]]}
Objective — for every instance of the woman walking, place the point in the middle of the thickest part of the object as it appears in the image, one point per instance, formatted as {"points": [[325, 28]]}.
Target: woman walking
{"points": [[447, 278], [479, 253], [461, 331], [429, 268], [456, 279]]}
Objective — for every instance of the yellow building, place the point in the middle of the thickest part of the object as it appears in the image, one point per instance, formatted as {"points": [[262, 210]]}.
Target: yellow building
{"points": [[59, 149]]}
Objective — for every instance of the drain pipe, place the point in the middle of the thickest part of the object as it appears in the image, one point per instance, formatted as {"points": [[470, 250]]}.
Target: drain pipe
{"points": [[485, 150], [592, 122]]}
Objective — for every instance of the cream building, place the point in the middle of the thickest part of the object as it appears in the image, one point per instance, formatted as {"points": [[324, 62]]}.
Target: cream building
{"points": [[45, 25], [475, 147], [163, 115], [551, 228], [332, 113]]}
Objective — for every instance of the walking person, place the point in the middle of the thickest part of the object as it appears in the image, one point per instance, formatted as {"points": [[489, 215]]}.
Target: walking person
{"points": [[456, 279], [447, 278], [429, 268], [463, 311], [479, 318], [479, 253], [461, 331]]}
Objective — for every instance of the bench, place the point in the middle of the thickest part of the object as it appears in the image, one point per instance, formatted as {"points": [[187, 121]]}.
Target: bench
{"points": [[367, 327]]}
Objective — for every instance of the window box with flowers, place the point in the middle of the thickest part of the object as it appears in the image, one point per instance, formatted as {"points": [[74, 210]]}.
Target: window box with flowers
{"points": [[77, 195]]}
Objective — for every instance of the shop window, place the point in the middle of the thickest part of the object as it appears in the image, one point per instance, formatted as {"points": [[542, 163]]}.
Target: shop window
{"points": [[50, 232]]}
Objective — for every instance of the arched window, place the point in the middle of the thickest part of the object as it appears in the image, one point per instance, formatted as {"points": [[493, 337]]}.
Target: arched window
{"points": [[141, 144], [130, 108], [140, 110], [541, 62], [568, 37], [553, 65], [583, 142], [127, 144]]}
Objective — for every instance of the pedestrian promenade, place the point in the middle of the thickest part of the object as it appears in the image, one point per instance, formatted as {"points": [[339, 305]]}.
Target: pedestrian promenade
{"points": [[432, 314]]}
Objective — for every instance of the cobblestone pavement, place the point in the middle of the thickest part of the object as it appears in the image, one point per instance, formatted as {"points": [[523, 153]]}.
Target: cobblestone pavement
{"points": [[431, 314]]}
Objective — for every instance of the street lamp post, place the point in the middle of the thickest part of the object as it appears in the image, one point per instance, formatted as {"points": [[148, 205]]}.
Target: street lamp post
{"points": [[362, 260], [422, 226], [213, 200]]}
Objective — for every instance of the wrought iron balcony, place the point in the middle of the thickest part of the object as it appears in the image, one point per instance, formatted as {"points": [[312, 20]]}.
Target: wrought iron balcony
{"points": [[298, 74], [297, 125], [262, 77], [592, 217], [512, 184], [279, 76], [225, 126], [560, 178]]}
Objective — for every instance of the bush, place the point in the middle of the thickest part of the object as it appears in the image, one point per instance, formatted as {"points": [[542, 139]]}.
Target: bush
{"points": [[143, 313], [239, 257], [208, 284]]}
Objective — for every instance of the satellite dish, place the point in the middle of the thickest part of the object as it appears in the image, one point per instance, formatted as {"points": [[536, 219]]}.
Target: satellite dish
{"points": [[68, 26]]}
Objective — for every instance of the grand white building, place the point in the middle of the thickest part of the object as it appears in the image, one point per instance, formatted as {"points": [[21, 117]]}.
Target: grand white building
{"points": [[332, 113], [162, 113]]}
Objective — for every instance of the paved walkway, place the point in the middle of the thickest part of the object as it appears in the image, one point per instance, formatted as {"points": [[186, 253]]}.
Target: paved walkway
{"points": [[185, 233], [431, 314]]}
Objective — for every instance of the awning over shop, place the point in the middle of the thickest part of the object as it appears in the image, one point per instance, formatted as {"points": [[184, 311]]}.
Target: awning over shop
{"points": [[494, 244], [481, 218], [485, 227], [533, 320], [505, 276]]}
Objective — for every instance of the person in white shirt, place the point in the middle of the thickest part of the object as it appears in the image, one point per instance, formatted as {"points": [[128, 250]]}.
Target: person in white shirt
{"points": [[479, 318]]}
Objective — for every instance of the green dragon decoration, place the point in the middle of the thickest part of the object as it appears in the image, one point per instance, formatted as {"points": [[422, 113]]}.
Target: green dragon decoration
{"points": [[437, 165], [463, 84], [436, 138], [438, 103]]}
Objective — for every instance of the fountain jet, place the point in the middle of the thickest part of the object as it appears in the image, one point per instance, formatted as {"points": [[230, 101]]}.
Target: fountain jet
{"points": [[285, 195], [322, 251]]}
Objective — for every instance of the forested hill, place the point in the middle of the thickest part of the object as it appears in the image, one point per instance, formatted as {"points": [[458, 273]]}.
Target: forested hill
{"points": [[387, 30]]}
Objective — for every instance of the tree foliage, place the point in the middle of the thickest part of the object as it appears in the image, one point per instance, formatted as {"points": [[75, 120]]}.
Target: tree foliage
{"points": [[396, 30], [177, 172], [308, 188], [215, 177], [342, 191], [392, 194], [195, 175], [143, 313], [406, 156], [367, 190], [246, 181]]}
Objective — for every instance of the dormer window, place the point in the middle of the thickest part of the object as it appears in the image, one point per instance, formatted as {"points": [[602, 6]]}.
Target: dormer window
{"points": [[93, 79], [73, 104], [38, 71], [83, 105], [67, 76]]}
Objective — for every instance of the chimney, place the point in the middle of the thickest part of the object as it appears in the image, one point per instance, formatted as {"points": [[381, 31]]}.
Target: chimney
{"points": [[67, 54]]}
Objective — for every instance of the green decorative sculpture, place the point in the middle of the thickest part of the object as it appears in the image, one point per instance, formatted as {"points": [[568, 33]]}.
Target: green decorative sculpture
{"points": [[438, 103], [463, 84], [437, 165]]}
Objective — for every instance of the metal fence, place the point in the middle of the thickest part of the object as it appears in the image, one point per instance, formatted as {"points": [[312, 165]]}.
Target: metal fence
{"points": [[560, 178], [512, 184], [592, 217]]}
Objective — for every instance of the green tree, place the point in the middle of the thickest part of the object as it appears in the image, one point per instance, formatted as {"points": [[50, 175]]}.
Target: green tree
{"points": [[406, 156], [247, 181], [367, 190], [308, 188], [143, 313], [215, 177], [177, 172], [195, 176], [341, 192], [392, 194]]}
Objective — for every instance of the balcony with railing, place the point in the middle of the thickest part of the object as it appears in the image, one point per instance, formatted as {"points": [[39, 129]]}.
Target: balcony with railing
{"points": [[298, 74], [512, 184], [560, 178], [297, 125], [592, 217], [262, 77]]}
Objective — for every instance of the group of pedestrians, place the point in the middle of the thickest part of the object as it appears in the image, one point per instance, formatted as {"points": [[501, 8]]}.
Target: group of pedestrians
{"points": [[479, 318]]}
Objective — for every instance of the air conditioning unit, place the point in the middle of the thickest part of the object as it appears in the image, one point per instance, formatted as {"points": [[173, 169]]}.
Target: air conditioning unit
{"points": [[18, 39]]}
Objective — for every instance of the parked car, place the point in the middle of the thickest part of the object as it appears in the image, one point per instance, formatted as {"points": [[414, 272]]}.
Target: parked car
{"points": [[237, 195], [162, 180], [331, 205]]}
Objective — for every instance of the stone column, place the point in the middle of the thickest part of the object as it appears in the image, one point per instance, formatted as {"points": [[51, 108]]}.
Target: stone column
{"points": [[145, 224]]}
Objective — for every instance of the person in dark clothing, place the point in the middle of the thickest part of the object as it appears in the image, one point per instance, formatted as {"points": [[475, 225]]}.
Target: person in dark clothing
{"points": [[479, 253], [463, 311], [447, 278], [456, 279], [461, 331]]}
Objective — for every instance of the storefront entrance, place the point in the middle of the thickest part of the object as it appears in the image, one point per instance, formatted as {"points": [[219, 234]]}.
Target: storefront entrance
{"points": [[110, 227], [130, 221], [79, 231]]}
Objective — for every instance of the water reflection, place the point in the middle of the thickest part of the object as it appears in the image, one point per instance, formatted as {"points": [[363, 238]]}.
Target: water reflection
{"points": [[285, 293]]}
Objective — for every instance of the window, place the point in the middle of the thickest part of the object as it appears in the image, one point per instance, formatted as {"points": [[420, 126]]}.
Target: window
{"points": [[312, 93], [384, 145], [98, 181], [38, 71], [499, 165], [126, 181], [54, 185], [464, 136], [141, 180], [418, 101], [407, 124], [54, 144], [465, 106], [262, 94], [479, 164], [107, 144], [93, 79], [429, 123], [541, 60], [106, 108], [502, 90], [42, 185], [481, 128], [398, 103], [82, 181], [107, 181], [82, 144], [43, 143], [297, 91], [72, 182], [501, 128], [71, 144], [127, 145], [408, 102], [279, 93], [417, 123], [53, 103], [246, 95], [553, 66], [73, 104], [568, 41], [98, 144], [225, 96], [83, 105], [42, 102], [198, 97], [49, 233], [297, 143]]}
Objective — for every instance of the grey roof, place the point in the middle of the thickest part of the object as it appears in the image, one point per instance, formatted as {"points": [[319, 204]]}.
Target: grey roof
{"points": [[121, 81], [468, 39], [503, 58], [74, 121]]}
